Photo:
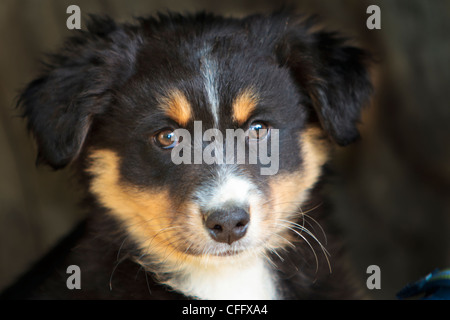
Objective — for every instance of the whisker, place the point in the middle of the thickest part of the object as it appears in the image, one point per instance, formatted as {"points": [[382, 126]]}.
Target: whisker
{"points": [[295, 226], [318, 224], [120, 248], [309, 244], [146, 280], [114, 270]]}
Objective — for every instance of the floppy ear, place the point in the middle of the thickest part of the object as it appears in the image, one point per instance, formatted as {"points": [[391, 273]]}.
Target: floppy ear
{"points": [[77, 85], [333, 75]]}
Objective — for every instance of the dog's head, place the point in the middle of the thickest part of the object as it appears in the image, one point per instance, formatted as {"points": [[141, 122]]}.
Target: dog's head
{"points": [[150, 110]]}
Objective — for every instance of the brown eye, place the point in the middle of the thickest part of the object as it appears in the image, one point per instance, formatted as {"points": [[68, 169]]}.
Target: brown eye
{"points": [[166, 139], [258, 130]]}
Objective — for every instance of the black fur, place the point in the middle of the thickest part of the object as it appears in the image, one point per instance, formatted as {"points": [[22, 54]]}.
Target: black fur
{"points": [[103, 81]]}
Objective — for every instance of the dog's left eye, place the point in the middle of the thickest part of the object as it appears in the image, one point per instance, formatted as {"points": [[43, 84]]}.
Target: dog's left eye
{"points": [[258, 130], [165, 138]]}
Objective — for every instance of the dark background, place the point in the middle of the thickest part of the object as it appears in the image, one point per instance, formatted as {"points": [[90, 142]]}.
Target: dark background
{"points": [[392, 192]]}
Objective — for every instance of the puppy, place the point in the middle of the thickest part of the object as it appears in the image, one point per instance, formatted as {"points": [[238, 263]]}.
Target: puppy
{"points": [[173, 216]]}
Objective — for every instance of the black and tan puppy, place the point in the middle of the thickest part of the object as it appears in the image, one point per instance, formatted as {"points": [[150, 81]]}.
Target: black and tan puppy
{"points": [[112, 105]]}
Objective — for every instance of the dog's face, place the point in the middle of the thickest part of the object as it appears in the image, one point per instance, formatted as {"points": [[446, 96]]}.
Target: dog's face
{"points": [[124, 101]]}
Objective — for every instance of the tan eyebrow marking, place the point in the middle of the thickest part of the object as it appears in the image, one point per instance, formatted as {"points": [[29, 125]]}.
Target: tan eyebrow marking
{"points": [[176, 106], [244, 104]]}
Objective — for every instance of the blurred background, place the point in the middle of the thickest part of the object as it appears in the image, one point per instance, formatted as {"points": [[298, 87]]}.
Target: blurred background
{"points": [[391, 191]]}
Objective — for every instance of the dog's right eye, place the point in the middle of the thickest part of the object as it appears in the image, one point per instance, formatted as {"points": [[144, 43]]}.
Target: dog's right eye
{"points": [[166, 138]]}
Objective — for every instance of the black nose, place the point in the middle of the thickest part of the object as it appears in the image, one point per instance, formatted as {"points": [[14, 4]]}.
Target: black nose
{"points": [[227, 225]]}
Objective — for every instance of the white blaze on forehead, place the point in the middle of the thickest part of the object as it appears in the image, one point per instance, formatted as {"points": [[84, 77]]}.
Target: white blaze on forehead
{"points": [[209, 72]]}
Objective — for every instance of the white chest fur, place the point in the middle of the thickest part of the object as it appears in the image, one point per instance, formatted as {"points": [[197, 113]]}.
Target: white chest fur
{"points": [[250, 281]]}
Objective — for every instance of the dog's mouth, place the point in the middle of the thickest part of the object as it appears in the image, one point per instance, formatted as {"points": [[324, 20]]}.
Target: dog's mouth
{"points": [[228, 253], [219, 250]]}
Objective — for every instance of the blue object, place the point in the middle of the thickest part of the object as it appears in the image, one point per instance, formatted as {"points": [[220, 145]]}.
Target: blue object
{"points": [[434, 286]]}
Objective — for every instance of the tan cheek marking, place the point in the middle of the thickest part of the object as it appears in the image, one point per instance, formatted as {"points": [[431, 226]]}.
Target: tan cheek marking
{"points": [[176, 106], [290, 191], [244, 105], [146, 215]]}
